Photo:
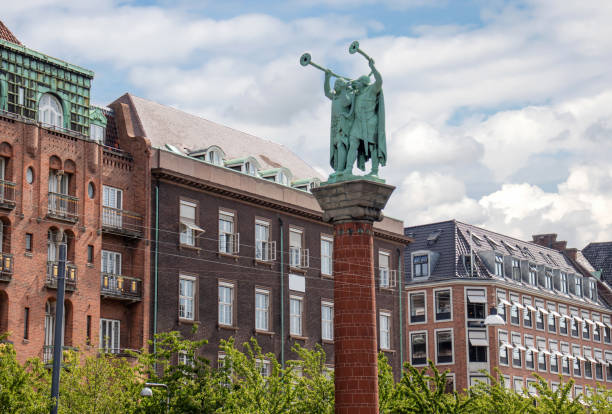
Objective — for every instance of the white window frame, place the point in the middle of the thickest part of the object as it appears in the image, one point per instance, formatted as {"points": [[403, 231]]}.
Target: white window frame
{"points": [[229, 241], [262, 313], [385, 334], [420, 253], [422, 332], [186, 298], [474, 293], [187, 223], [50, 111], [97, 133], [296, 320], [501, 303], [452, 332], [111, 262], [503, 348], [298, 256], [435, 299], [499, 265], [417, 292], [110, 334], [384, 272], [515, 380], [327, 325], [224, 305], [327, 264]]}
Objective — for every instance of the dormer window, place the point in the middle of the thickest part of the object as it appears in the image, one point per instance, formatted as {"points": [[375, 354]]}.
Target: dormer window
{"points": [[282, 178], [420, 265], [213, 156], [516, 270], [499, 265], [548, 279], [533, 278], [96, 133], [577, 285], [250, 168], [278, 175], [563, 282], [50, 111], [592, 290]]}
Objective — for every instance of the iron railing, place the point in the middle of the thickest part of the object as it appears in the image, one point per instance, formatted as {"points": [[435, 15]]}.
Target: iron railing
{"points": [[63, 206], [71, 275], [47, 352], [6, 266], [120, 286], [7, 193], [121, 221]]}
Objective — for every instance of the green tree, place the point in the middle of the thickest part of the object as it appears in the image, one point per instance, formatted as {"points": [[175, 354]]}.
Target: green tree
{"points": [[558, 401], [314, 389], [495, 396], [23, 389]]}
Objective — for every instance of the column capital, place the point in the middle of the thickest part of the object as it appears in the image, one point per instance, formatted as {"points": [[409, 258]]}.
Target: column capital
{"points": [[358, 200]]}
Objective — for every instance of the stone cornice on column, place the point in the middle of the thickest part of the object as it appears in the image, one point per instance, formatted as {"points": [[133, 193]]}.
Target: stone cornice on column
{"points": [[358, 200]]}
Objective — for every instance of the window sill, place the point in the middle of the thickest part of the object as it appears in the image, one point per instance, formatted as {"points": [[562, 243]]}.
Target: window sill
{"points": [[28, 254], [90, 265], [300, 338], [188, 321], [297, 270], [326, 276], [227, 327], [189, 247], [386, 288], [25, 341], [228, 255], [267, 263], [267, 333], [390, 351], [327, 341]]}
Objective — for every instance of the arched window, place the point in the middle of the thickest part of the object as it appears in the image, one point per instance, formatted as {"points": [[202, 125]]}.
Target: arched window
{"points": [[50, 111], [214, 157], [283, 179]]}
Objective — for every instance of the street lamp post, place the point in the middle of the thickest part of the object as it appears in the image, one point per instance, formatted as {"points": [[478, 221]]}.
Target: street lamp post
{"points": [[59, 332], [148, 392]]}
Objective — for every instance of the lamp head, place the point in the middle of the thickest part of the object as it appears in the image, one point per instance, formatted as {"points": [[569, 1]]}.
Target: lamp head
{"points": [[146, 392]]}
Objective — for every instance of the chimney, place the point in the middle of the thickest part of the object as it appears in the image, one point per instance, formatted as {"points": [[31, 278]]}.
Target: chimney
{"points": [[546, 240]]}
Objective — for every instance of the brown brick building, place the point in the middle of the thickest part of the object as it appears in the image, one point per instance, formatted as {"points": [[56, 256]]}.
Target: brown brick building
{"points": [[557, 313], [67, 177], [242, 250]]}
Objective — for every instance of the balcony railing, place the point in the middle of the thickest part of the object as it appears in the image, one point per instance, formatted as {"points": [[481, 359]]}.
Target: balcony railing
{"points": [[119, 286], [7, 194], [63, 206], [298, 257], [52, 271], [123, 222], [6, 267], [47, 354]]}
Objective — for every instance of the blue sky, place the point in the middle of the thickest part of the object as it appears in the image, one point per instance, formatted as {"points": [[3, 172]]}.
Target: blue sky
{"points": [[499, 112]]}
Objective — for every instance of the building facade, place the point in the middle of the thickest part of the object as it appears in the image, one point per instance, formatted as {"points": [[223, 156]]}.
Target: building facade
{"points": [[240, 248], [557, 317], [599, 256], [67, 178]]}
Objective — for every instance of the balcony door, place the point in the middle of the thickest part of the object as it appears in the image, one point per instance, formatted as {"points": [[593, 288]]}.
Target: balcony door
{"points": [[112, 202], [58, 187], [50, 330], [111, 267]]}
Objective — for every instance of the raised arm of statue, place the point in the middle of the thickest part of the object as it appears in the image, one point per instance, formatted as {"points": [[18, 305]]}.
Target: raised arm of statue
{"points": [[378, 79], [326, 87]]}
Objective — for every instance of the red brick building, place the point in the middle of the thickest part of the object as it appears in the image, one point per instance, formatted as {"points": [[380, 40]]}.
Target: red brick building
{"points": [[557, 313], [67, 176]]}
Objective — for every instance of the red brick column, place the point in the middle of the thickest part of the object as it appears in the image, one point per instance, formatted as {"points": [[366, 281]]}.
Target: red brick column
{"points": [[355, 349], [353, 206]]}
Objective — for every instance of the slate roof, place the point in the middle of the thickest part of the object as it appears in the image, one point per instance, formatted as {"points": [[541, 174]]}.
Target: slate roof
{"points": [[164, 125], [7, 35], [600, 257]]}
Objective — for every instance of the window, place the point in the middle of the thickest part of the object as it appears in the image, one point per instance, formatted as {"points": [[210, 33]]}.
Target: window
{"points": [[214, 157], [540, 315], [264, 249], [296, 253], [26, 323], [112, 203], [541, 342], [503, 347], [527, 321], [96, 133], [184, 358], [226, 304], [28, 242], [478, 346], [383, 269], [586, 328], [565, 365], [228, 239], [606, 329], [59, 185], [263, 367], [514, 309], [50, 111], [531, 388], [188, 222], [518, 385], [596, 327], [533, 278], [418, 348], [450, 383], [30, 175], [109, 335], [90, 253], [444, 347], [327, 321], [578, 285], [88, 331], [554, 357], [598, 365], [499, 265], [529, 353], [577, 392], [111, 262], [443, 305], [563, 320], [476, 304], [420, 265], [592, 293], [476, 379], [548, 279], [552, 322], [327, 248], [609, 366], [516, 270], [501, 304], [574, 322], [385, 330], [186, 297], [563, 282], [577, 358], [517, 360], [417, 308], [21, 96], [588, 367], [295, 315], [262, 309]]}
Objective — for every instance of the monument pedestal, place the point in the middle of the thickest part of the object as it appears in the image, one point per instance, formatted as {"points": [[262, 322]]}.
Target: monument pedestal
{"points": [[353, 207]]}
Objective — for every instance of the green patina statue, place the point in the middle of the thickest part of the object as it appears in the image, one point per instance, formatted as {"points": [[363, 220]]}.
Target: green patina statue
{"points": [[357, 132]]}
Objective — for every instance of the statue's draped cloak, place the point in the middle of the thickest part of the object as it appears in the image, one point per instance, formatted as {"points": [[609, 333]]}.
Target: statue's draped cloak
{"points": [[381, 139]]}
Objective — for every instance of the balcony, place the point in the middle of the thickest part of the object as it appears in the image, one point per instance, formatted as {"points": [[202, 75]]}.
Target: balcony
{"points": [[63, 207], [120, 287], [47, 353], [71, 275], [6, 267], [122, 222], [7, 195]]}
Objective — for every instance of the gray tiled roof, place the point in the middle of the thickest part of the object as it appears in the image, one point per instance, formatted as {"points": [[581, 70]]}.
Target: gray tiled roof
{"points": [[600, 257], [164, 125]]}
